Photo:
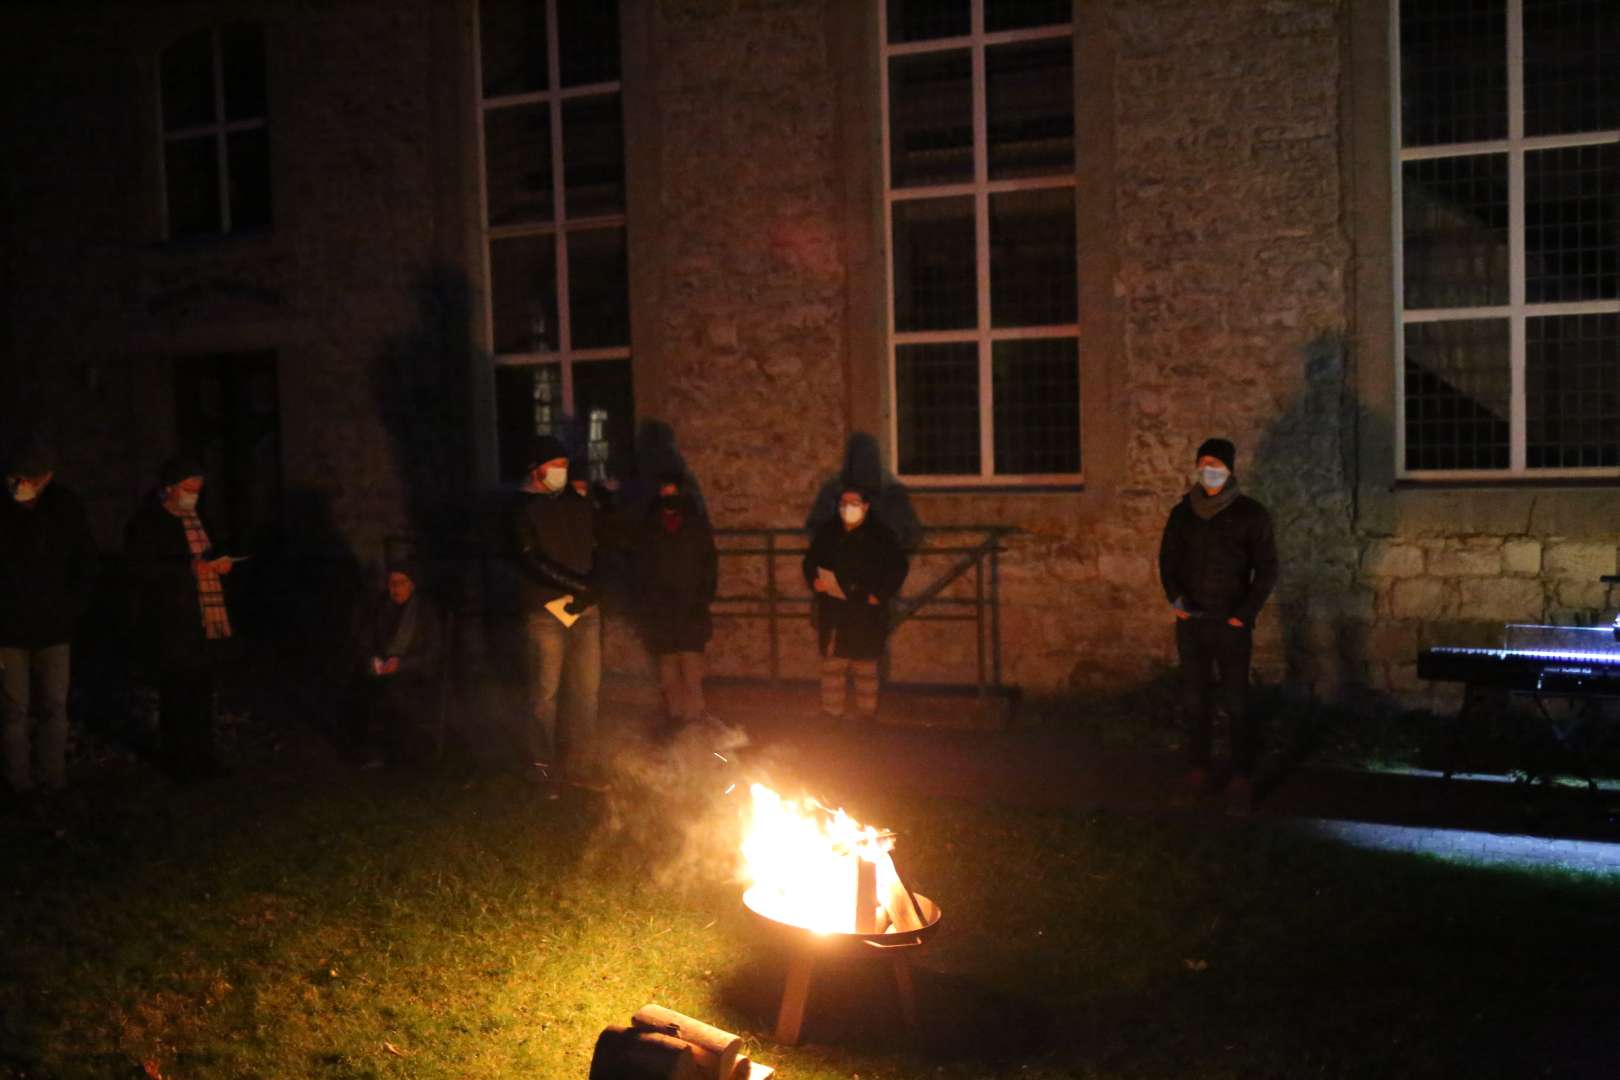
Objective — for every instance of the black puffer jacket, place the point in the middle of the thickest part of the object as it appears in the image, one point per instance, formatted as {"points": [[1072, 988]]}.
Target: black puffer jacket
{"points": [[1221, 567], [47, 568]]}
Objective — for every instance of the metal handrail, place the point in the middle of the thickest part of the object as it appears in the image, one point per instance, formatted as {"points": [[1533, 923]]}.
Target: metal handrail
{"points": [[984, 607], [774, 605]]}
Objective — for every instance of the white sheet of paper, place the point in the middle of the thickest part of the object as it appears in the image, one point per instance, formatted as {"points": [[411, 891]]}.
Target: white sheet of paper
{"points": [[829, 582], [558, 607]]}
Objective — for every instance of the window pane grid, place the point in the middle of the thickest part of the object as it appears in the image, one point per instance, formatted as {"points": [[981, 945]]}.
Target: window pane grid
{"points": [[553, 156], [216, 142], [1454, 214], [1037, 396], [939, 408], [983, 269], [1458, 390], [1453, 71], [1572, 392], [1571, 66], [1572, 224], [1510, 236]]}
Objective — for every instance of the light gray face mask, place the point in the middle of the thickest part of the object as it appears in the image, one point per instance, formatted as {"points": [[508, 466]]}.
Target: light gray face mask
{"points": [[1213, 477]]}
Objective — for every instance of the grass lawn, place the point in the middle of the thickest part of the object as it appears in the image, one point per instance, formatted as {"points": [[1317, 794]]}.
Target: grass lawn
{"points": [[430, 925]]}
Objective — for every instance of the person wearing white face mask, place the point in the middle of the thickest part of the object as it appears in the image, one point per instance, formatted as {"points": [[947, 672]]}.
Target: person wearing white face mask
{"points": [[855, 567], [556, 532], [47, 570], [1218, 565], [181, 626]]}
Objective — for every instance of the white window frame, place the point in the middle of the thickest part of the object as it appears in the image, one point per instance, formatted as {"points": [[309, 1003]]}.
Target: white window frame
{"points": [[219, 130], [565, 356], [1516, 310], [980, 188]]}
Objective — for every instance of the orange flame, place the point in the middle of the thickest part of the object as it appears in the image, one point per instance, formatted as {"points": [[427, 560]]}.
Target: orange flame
{"points": [[802, 861]]}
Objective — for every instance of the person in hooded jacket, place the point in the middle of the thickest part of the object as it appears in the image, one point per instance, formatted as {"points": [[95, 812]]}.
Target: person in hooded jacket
{"points": [[180, 624], [1218, 565], [855, 566], [676, 567], [47, 570]]}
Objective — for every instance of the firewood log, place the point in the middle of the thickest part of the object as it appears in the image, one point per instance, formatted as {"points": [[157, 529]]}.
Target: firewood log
{"points": [[751, 1070], [897, 899], [715, 1051], [627, 1053], [866, 898]]}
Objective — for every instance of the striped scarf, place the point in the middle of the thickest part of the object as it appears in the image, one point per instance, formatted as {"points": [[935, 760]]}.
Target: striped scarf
{"points": [[210, 591]]}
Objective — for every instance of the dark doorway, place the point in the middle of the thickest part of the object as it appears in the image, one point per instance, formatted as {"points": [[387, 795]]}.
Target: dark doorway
{"points": [[228, 413]]}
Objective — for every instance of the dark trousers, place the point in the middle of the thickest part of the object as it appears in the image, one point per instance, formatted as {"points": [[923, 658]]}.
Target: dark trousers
{"points": [[1215, 674], [187, 712], [391, 716]]}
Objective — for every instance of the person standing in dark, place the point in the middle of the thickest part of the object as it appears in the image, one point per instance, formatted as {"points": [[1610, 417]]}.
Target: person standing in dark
{"points": [[855, 566], [1218, 565], [676, 569], [555, 533], [47, 571], [399, 642], [180, 624]]}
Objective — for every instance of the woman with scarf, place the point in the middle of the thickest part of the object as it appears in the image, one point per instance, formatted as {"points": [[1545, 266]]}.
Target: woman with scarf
{"points": [[178, 616], [1218, 565]]}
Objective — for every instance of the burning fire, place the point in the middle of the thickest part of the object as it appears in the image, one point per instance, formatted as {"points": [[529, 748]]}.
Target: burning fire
{"points": [[804, 865]]}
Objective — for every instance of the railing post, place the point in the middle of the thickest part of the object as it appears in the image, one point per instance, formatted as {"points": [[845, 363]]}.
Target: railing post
{"points": [[770, 604], [978, 617], [995, 608]]}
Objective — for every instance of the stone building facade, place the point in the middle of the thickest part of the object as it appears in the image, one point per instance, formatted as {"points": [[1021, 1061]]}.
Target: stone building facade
{"points": [[1234, 214]]}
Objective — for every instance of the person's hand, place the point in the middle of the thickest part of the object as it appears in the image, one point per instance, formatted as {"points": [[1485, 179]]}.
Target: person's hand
{"points": [[1235, 621], [1180, 614], [222, 565], [390, 666], [870, 599], [818, 585]]}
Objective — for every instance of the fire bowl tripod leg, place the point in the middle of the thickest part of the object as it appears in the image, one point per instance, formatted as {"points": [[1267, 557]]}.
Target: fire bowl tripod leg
{"points": [[790, 1017]]}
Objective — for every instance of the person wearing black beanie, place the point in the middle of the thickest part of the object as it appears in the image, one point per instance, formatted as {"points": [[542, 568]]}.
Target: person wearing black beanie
{"points": [[1218, 565], [556, 535]]}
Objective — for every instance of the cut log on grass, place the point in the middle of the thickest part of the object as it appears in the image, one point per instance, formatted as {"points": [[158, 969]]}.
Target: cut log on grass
{"points": [[628, 1053], [715, 1051]]}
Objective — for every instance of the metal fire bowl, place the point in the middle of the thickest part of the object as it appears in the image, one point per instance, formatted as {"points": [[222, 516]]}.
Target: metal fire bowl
{"points": [[851, 944]]}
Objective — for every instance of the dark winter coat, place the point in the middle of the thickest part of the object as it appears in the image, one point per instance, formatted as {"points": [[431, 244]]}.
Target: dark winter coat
{"points": [[868, 561], [556, 547], [47, 568], [1221, 567], [675, 579], [165, 616], [374, 631]]}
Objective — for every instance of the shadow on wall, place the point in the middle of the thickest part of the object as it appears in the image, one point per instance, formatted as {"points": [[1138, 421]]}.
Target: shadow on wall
{"points": [[419, 385], [863, 467]]}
